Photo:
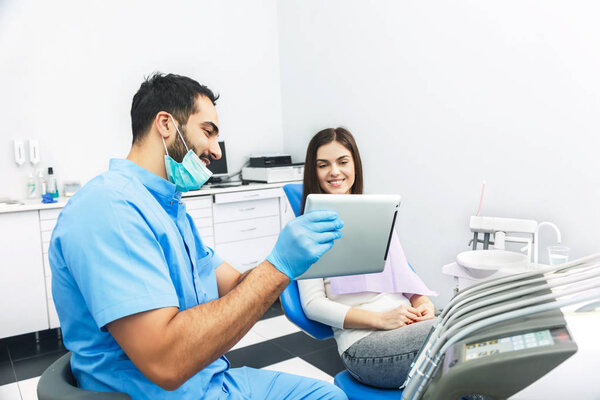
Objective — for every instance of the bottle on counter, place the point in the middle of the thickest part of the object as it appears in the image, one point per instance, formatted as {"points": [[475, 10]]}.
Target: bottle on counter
{"points": [[41, 183], [31, 187], [52, 187]]}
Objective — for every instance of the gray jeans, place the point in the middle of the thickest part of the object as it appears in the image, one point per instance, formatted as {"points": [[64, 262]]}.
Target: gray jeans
{"points": [[383, 358]]}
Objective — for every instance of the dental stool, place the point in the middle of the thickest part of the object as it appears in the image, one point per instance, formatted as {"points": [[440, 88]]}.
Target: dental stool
{"points": [[292, 307], [58, 383]]}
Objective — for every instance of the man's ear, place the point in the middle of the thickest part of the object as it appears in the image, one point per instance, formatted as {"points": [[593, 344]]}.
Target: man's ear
{"points": [[164, 124]]}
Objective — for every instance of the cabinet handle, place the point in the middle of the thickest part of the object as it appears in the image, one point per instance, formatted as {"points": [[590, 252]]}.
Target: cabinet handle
{"points": [[250, 263], [247, 209], [248, 230], [251, 195]]}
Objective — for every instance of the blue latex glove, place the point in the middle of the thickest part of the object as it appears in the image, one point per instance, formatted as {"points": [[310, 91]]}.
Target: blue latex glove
{"points": [[304, 240]]}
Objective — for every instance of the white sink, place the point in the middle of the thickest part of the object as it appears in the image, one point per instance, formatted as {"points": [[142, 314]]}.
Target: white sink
{"points": [[483, 263]]}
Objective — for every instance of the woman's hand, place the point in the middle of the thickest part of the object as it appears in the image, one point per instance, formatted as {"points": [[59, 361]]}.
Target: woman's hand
{"points": [[424, 306], [399, 316], [426, 311]]}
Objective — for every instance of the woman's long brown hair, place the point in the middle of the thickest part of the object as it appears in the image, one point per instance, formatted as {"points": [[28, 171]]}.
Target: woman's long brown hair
{"points": [[326, 136]]}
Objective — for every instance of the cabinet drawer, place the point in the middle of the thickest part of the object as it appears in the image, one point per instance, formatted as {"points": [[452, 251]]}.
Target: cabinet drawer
{"points": [[200, 213], [50, 214], [52, 315], [206, 222], [247, 195], [209, 241], [47, 270], [49, 290], [195, 203], [46, 236], [205, 231], [247, 229], [246, 254], [226, 212], [47, 225]]}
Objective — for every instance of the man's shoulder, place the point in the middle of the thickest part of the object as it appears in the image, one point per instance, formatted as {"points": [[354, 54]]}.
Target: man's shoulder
{"points": [[105, 193]]}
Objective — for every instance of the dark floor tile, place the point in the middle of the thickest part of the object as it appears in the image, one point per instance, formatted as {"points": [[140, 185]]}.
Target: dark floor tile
{"points": [[26, 346], [327, 360], [258, 355], [300, 343], [273, 311], [7, 375], [35, 366], [3, 353]]}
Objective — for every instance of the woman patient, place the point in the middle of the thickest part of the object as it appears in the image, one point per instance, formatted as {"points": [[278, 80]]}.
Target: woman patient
{"points": [[381, 320]]}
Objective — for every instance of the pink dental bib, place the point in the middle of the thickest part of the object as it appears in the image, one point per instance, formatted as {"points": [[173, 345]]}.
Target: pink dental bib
{"points": [[397, 277]]}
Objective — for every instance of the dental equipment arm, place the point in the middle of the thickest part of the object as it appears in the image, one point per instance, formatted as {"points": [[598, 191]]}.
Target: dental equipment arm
{"points": [[415, 387], [478, 291]]}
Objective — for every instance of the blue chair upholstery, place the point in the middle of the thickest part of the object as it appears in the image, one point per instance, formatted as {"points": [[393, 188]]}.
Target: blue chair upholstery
{"points": [[357, 391], [293, 191], [292, 307]]}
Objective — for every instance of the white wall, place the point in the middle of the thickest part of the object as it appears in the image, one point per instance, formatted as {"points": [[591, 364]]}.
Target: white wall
{"points": [[440, 95], [69, 70], [443, 95]]}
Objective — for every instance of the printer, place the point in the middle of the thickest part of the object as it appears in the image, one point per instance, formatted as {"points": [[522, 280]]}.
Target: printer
{"points": [[272, 169]]}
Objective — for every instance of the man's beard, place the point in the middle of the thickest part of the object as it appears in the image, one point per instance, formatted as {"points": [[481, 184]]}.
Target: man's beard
{"points": [[177, 149]]}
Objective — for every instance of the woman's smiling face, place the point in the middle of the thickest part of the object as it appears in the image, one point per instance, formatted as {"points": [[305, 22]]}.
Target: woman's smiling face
{"points": [[335, 168]]}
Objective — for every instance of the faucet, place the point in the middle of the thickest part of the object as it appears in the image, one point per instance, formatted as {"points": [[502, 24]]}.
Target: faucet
{"points": [[536, 237]]}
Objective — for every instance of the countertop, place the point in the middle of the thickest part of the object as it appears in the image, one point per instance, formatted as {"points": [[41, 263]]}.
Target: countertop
{"points": [[36, 204]]}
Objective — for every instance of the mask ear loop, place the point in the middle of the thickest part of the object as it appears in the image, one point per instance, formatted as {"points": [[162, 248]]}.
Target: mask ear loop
{"points": [[164, 144], [181, 136]]}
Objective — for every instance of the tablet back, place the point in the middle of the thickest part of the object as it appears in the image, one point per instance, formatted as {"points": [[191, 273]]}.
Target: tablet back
{"points": [[368, 225]]}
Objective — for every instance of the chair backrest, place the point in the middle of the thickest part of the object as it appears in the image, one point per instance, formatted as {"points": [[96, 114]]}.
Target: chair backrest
{"points": [[290, 298], [293, 191]]}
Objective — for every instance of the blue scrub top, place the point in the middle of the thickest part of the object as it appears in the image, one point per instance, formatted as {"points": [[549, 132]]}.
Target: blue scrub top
{"points": [[122, 245]]}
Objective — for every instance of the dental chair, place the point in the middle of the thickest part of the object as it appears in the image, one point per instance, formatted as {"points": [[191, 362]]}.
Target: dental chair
{"points": [[58, 383], [292, 307]]}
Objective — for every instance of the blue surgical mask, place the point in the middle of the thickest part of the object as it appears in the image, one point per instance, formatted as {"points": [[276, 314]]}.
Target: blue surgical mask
{"points": [[190, 173]]}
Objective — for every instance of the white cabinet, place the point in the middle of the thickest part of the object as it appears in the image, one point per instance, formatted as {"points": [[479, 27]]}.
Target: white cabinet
{"points": [[246, 209], [47, 222], [242, 227], [200, 209], [22, 291], [246, 254], [246, 226]]}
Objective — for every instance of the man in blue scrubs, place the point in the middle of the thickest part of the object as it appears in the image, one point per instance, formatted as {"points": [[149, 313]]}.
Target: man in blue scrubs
{"points": [[145, 307]]}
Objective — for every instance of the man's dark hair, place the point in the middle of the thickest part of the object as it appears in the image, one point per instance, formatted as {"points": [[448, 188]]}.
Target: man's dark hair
{"points": [[174, 94]]}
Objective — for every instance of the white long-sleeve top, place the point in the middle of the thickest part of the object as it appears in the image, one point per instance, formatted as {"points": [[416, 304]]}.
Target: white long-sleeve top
{"points": [[321, 305]]}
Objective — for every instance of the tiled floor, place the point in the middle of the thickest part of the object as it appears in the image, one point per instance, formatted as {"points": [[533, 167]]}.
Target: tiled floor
{"points": [[273, 343]]}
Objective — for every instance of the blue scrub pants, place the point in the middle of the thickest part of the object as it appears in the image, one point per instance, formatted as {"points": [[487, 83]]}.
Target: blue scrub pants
{"points": [[258, 384]]}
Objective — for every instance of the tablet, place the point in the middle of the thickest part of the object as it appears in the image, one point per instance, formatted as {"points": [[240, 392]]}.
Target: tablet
{"points": [[368, 225]]}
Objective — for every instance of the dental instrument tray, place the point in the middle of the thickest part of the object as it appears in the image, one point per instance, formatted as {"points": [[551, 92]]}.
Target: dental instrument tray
{"points": [[368, 225]]}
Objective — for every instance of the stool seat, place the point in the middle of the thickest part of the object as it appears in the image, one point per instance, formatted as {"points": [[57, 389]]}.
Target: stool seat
{"points": [[357, 391], [58, 383]]}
